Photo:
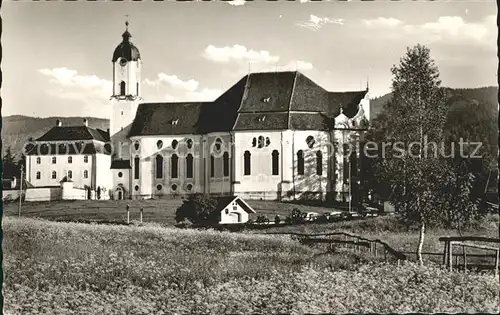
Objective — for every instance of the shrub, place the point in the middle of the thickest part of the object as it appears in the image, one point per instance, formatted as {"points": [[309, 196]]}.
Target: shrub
{"points": [[262, 219], [198, 209], [277, 219]]}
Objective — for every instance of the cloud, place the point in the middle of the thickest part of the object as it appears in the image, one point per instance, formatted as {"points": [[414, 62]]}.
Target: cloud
{"points": [[68, 84], [291, 66], [173, 81], [171, 88], [316, 22], [383, 22], [238, 53], [453, 26], [236, 2]]}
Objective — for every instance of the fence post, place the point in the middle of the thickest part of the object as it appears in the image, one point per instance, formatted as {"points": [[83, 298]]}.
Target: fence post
{"points": [[497, 258], [141, 213], [465, 258], [128, 214], [450, 255], [445, 253]]}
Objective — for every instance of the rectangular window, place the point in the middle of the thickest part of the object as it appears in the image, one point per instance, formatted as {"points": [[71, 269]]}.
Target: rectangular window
{"points": [[54, 160], [86, 159], [85, 174], [136, 167], [225, 158], [38, 160], [38, 175], [212, 166], [70, 159], [70, 174]]}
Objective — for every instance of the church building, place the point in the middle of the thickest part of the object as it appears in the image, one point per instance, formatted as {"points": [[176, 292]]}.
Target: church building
{"points": [[272, 135]]}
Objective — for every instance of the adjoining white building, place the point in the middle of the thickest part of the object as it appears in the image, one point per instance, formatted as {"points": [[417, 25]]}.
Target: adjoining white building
{"points": [[275, 135]]}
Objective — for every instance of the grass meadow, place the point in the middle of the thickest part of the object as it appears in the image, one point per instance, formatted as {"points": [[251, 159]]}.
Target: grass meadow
{"points": [[74, 268]]}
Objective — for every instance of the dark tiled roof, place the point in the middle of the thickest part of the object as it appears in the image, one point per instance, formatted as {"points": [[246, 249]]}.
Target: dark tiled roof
{"points": [[241, 106], [262, 121], [77, 147], [7, 184], [120, 164], [158, 118], [268, 92], [347, 100], [70, 133], [310, 121]]}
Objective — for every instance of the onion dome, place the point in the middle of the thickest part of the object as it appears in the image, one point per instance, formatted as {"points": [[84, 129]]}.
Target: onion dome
{"points": [[126, 49]]}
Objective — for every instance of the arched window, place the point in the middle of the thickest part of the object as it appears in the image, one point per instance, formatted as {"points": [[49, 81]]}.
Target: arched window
{"points": [[54, 175], [175, 166], [136, 167], [189, 166], [212, 165], [122, 88], [70, 174], [189, 143], [345, 167], [38, 175], [85, 174], [247, 166], [38, 160], [225, 159], [319, 163], [300, 162], [260, 143], [159, 144], [159, 166], [275, 162]]}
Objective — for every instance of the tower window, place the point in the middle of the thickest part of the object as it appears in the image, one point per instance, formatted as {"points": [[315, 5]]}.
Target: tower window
{"points": [[300, 162], [225, 159], [275, 162], [319, 163], [246, 163], [159, 166], [175, 166], [122, 88], [189, 166]]}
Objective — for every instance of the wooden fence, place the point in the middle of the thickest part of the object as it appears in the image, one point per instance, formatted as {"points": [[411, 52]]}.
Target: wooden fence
{"points": [[374, 247], [450, 242]]}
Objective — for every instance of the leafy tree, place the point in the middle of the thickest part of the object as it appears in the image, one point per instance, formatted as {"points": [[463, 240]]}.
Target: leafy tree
{"points": [[10, 168], [198, 209], [422, 183]]}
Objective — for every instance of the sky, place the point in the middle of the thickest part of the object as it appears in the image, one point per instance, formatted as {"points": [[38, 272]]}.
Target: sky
{"points": [[57, 55]]}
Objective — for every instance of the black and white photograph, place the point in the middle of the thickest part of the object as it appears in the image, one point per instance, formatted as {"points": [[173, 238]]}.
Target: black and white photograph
{"points": [[249, 157]]}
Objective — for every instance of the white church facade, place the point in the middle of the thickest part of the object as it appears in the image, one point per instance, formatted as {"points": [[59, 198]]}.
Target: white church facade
{"points": [[272, 135]]}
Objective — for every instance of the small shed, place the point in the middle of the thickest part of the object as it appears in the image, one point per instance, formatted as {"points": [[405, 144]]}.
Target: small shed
{"points": [[233, 209]]}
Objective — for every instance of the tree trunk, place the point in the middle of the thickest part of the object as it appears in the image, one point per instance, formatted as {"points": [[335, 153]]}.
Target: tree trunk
{"points": [[421, 244]]}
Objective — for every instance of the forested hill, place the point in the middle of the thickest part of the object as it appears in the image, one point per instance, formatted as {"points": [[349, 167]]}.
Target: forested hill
{"points": [[457, 98], [17, 129]]}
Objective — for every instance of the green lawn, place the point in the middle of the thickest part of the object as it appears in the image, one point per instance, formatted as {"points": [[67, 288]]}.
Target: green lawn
{"points": [[70, 268], [159, 210]]}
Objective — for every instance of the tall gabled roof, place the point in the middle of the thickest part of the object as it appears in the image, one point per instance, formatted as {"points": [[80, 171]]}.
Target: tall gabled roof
{"points": [[71, 133], [259, 101]]}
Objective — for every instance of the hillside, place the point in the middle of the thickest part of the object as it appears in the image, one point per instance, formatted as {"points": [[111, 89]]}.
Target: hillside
{"points": [[456, 97], [17, 129]]}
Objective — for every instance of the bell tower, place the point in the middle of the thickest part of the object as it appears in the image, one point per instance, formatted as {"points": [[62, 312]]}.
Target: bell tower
{"points": [[126, 85]]}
